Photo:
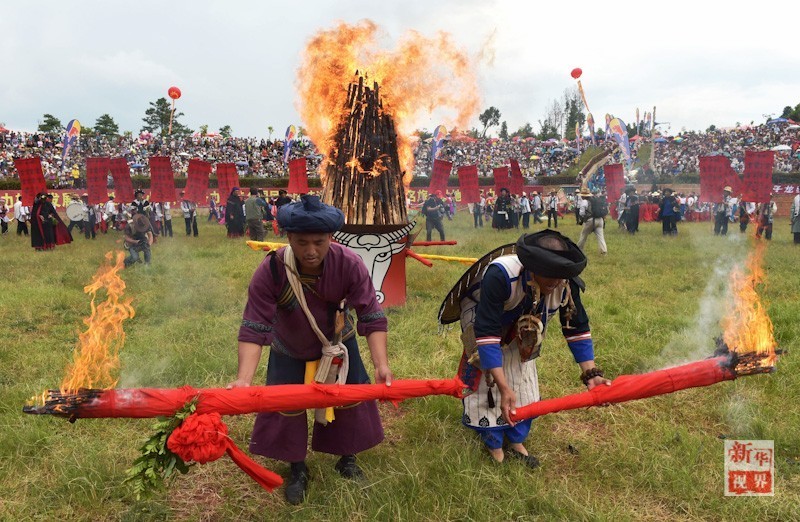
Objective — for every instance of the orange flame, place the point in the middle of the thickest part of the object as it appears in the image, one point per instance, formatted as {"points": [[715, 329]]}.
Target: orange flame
{"points": [[96, 356], [423, 74], [747, 327]]}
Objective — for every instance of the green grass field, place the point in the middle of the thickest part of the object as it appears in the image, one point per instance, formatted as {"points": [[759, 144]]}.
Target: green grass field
{"points": [[653, 301]]}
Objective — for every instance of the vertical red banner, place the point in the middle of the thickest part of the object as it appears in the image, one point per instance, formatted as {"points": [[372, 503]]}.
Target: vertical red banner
{"points": [[715, 174], [516, 178], [197, 180], [162, 181], [97, 179], [757, 182], [31, 178], [501, 179], [298, 176], [440, 175], [227, 178], [123, 186], [468, 184], [615, 181]]}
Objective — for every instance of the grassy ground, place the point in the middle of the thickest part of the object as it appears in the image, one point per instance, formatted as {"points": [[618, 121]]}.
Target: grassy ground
{"points": [[653, 301]]}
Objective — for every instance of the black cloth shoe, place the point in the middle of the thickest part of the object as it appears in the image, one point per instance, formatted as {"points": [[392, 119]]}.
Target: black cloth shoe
{"points": [[529, 460], [348, 468], [297, 484]]}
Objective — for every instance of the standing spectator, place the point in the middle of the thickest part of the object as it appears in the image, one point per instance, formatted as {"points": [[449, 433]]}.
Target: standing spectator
{"points": [[552, 209], [447, 204], [110, 211], [189, 209], [795, 217], [593, 210], [631, 210], [477, 211], [536, 207], [21, 214], [669, 212], [254, 214], [88, 217], [432, 209], [4, 219], [234, 214], [158, 220], [212, 209], [167, 230], [766, 214], [503, 209], [525, 209], [722, 212]]}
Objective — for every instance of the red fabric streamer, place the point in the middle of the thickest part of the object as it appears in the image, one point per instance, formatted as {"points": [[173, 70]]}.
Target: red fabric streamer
{"points": [[757, 182], [468, 183], [204, 438], [501, 179], [227, 178], [632, 387], [123, 186], [517, 183], [440, 176], [413, 255], [97, 179], [615, 181], [298, 177], [31, 178], [197, 180], [715, 174], [140, 403], [162, 180]]}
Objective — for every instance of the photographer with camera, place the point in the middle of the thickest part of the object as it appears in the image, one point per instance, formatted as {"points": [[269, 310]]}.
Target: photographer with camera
{"points": [[138, 238]]}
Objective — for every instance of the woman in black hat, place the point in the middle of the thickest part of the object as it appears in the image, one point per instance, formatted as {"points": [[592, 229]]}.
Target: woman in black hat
{"points": [[234, 214]]}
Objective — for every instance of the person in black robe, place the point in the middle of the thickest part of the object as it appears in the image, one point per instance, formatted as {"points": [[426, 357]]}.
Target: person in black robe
{"points": [[47, 227], [502, 211], [631, 210], [234, 214]]}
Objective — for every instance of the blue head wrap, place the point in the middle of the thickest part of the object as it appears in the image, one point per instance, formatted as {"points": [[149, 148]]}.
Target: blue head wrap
{"points": [[310, 215]]}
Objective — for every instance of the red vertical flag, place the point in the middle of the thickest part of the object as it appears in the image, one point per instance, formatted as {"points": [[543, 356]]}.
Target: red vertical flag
{"points": [[97, 179], [715, 174], [197, 180], [440, 175], [123, 186], [501, 179], [615, 181], [31, 178], [468, 183], [757, 183], [162, 181], [516, 178], [227, 178], [298, 176]]}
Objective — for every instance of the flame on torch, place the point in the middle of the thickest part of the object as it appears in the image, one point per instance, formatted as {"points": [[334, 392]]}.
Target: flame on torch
{"points": [[747, 327], [421, 75], [96, 357]]}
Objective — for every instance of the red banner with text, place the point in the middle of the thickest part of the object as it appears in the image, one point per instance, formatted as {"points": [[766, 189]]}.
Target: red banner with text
{"points": [[468, 181], [501, 179], [516, 178], [615, 181], [227, 178], [162, 180], [298, 177], [197, 180], [123, 186], [757, 182], [31, 178], [97, 179], [440, 175], [716, 173]]}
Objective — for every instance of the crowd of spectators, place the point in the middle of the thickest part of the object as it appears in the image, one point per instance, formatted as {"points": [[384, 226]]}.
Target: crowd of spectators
{"points": [[264, 158]]}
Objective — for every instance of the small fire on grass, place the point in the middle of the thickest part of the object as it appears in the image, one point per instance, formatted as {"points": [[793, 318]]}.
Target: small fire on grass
{"points": [[95, 360]]}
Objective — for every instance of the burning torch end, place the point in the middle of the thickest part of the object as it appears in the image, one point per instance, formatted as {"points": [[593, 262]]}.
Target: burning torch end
{"points": [[63, 404]]}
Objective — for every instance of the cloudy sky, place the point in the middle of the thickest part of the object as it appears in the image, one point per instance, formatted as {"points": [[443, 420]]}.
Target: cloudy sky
{"points": [[236, 61]]}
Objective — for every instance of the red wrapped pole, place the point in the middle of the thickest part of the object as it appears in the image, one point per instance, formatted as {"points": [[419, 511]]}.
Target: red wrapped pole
{"points": [[410, 253], [157, 402], [632, 387], [433, 243]]}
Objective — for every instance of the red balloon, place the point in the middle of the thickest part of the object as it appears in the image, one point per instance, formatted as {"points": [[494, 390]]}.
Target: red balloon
{"points": [[576, 72], [174, 93]]}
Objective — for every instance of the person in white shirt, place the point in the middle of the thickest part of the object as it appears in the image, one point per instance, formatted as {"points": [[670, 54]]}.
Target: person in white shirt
{"points": [[189, 209], [21, 214], [766, 214], [552, 209], [478, 211], [110, 211], [167, 230], [525, 209], [536, 208], [795, 217]]}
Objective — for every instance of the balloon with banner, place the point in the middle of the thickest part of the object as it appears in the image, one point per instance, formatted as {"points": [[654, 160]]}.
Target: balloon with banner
{"points": [[123, 185], [97, 179], [298, 177], [437, 141], [468, 183], [619, 132], [31, 178], [440, 175], [71, 137], [288, 141]]}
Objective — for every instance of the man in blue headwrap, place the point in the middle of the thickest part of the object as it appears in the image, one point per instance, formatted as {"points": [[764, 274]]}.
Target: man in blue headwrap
{"points": [[299, 303]]}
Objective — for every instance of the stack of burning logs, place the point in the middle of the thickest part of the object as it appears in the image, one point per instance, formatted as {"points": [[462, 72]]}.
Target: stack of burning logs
{"points": [[363, 176]]}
